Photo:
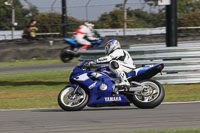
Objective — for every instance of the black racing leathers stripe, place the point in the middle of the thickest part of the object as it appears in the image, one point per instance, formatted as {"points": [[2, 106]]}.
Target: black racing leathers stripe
{"points": [[127, 66], [121, 58]]}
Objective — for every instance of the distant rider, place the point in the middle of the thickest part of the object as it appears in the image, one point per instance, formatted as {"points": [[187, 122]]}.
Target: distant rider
{"points": [[120, 61], [83, 32], [32, 29]]}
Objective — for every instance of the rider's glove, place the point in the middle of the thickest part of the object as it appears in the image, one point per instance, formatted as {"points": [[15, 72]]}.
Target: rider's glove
{"points": [[91, 63]]}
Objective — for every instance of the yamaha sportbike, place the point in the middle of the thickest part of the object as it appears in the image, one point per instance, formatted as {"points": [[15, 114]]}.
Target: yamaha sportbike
{"points": [[95, 88], [71, 50]]}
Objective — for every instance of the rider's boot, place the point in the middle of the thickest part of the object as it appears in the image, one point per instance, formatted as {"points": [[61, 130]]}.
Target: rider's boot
{"points": [[124, 82], [115, 91]]}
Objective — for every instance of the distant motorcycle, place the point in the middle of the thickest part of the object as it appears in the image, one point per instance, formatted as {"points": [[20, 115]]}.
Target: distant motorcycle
{"points": [[95, 88], [71, 50]]}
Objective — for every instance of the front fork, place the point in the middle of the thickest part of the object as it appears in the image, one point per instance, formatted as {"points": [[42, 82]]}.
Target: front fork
{"points": [[75, 90]]}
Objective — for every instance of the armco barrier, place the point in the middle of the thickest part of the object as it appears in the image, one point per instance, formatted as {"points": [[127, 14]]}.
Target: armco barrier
{"points": [[50, 47], [182, 63]]}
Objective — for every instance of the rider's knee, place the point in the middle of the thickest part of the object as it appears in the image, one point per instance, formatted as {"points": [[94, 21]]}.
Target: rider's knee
{"points": [[114, 64]]}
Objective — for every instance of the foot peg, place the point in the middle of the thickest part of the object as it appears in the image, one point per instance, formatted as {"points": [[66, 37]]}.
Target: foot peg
{"points": [[115, 92]]}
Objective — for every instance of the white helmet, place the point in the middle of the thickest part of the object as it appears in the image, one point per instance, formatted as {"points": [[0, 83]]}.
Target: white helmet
{"points": [[89, 25], [111, 46]]}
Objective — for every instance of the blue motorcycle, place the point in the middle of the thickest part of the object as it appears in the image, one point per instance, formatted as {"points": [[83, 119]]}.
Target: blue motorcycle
{"points": [[95, 88], [71, 50]]}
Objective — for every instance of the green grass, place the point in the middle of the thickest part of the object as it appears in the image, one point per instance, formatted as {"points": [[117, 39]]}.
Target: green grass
{"points": [[40, 90], [31, 89], [183, 92], [33, 61], [166, 131]]}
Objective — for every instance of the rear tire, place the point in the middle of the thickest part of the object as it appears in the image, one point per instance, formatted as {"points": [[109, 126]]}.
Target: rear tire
{"points": [[151, 97], [67, 54], [69, 101]]}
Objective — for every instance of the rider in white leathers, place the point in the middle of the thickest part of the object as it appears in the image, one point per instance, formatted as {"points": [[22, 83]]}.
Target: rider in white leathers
{"points": [[120, 61], [83, 31]]}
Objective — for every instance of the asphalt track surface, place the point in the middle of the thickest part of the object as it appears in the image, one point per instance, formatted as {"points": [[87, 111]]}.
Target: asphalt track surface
{"points": [[101, 120], [41, 67], [95, 120]]}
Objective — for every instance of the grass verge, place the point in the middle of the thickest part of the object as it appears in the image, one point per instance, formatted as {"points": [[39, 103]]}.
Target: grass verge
{"points": [[33, 61], [31, 89], [166, 131], [40, 90], [181, 93]]}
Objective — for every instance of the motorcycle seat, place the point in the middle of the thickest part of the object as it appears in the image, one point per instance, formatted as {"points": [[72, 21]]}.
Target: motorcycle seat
{"points": [[107, 71]]}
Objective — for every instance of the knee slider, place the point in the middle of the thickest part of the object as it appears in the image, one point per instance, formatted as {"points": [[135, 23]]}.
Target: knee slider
{"points": [[114, 65]]}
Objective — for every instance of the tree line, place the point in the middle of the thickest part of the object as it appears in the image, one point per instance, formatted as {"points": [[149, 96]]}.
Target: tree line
{"points": [[188, 15]]}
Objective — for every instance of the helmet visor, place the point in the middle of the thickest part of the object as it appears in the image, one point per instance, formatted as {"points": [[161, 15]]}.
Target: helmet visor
{"points": [[106, 50]]}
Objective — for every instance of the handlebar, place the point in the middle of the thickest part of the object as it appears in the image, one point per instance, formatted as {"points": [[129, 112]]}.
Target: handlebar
{"points": [[86, 64]]}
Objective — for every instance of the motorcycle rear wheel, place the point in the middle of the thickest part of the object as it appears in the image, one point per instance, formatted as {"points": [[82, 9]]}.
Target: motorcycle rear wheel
{"points": [[70, 101], [67, 54], [151, 96]]}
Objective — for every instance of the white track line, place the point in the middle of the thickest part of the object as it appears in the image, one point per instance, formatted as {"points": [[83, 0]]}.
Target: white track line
{"points": [[189, 102], [30, 109]]}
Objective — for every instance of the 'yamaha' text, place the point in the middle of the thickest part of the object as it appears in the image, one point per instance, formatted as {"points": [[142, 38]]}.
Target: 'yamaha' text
{"points": [[113, 99]]}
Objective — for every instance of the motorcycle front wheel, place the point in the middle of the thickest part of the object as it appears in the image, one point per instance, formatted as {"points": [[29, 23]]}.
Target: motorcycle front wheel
{"points": [[151, 96], [69, 100]]}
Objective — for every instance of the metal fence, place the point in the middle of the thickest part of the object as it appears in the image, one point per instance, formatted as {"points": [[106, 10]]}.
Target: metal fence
{"points": [[18, 34], [182, 63], [132, 31], [49, 15], [6, 35]]}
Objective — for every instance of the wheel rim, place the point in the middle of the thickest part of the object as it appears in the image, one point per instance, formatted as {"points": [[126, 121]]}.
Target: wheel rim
{"points": [[66, 54], [66, 57], [68, 98], [149, 94]]}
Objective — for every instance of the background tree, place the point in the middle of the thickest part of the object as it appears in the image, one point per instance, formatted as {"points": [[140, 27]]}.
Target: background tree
{"points": [[50, 22], [4, 15], [191, 19], [23, 15], [136, 19], [188, 6], [112, 19], [189, 14]]}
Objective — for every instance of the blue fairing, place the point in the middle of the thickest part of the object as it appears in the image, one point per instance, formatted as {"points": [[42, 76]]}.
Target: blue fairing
{"points": [[72, 41], [97, 42], [141, 70], [134, 73], [146, 72], [93, 82], [76, 44], [97, 96]]}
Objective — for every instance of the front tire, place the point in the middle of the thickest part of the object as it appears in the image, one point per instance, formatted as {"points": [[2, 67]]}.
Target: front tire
{"points": [[151, 96], [70, 101]]}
